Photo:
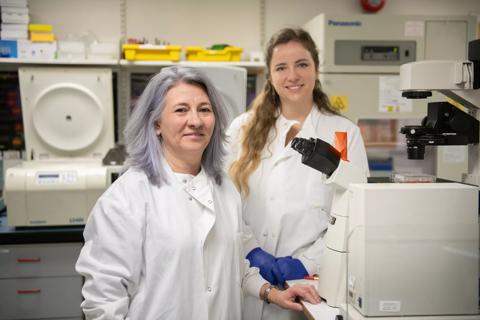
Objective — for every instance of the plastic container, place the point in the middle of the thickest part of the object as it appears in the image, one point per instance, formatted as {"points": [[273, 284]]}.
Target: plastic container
{"points": [[8, 49], [40, 28], [103, 51], [202, 54], [37, 50], [71, 50], [42, 37], [151, 52]]}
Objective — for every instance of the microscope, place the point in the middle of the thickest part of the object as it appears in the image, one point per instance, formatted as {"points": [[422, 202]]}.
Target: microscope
{"points": [[397, 250], [446, 124]]}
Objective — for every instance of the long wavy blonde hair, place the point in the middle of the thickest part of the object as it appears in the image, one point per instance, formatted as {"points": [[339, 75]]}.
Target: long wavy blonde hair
{"points": [[255, 132]]}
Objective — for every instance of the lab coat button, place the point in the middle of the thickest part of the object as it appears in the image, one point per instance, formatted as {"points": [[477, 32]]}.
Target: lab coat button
{"points": [[265, 234], [190, 198], [210, 201], [193, 188], [184, 180], [209, 289]]}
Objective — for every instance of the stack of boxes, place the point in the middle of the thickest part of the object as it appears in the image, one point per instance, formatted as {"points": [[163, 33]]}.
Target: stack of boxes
{"points": [[14, 19], [14, 26], [41, 33]]}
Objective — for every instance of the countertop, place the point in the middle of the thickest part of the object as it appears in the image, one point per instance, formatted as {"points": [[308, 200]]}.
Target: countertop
{"points": [[24, 235], [321, 311]]}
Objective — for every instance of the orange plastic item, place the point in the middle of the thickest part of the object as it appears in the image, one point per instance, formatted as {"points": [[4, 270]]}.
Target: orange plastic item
{"points": [[341, 144], [42, 37]]}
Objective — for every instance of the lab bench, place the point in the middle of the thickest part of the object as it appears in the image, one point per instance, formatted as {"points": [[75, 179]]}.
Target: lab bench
{"points": [[37, 274]]}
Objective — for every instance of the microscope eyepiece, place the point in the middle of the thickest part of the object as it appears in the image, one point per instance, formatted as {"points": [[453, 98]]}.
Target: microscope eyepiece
{"points": [[317, 154], [303, 146]]}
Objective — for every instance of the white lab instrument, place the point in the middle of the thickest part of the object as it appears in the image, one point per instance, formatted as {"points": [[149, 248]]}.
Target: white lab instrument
{"points": [[333, 273], [67, 112], [458, 80], [55, 192], [68, 123], [400, 249], [356, 52], [413, 249], [360, 56], [415, 252]]}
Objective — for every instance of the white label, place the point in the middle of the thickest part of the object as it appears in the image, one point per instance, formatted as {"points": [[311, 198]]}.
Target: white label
{"points": [[390, 97], [389, 306], [414, 29], [454, 154]]}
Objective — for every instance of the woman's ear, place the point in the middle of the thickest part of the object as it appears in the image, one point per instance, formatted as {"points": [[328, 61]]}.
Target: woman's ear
{"points": [[157, 128]]}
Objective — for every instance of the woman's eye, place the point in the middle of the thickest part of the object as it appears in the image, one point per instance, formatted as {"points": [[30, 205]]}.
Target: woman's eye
{"points": [[279, 68], [303, 65], [205, 109], [181, 109]]}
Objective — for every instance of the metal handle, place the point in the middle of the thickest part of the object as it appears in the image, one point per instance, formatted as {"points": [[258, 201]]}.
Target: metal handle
{"points": [[28, 291], [28, 260]]}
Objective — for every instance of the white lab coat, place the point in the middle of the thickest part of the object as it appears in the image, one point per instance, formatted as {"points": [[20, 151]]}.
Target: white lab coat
{"points": [[288, 204], [169, 252]]}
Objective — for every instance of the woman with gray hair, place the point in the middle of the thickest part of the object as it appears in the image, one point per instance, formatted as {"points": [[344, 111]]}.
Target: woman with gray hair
{"points": [[166, 240]]}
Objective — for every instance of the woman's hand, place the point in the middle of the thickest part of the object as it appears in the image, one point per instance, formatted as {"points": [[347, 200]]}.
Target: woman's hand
{"points": [[286, 298]]}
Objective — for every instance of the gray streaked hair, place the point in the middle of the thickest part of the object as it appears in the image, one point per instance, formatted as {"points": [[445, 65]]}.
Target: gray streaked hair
{"points": [[144, 148]]}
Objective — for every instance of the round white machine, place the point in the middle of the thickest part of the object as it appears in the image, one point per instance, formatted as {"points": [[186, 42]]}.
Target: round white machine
{"points": [[67, 112]]}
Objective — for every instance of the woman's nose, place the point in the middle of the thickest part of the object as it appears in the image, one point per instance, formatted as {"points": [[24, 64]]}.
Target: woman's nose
{"points": [[194, 119], [292, 74]]}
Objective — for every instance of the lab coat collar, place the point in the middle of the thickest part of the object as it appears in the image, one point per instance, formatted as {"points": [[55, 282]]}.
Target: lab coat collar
{"points": [[309, 125], [199, 187], [283, 125]]}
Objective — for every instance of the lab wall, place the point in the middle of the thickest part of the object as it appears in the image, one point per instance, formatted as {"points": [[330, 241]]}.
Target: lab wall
{"points": [[71, 18], [246, 23]]}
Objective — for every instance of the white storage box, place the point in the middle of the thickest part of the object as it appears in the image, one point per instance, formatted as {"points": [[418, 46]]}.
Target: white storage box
{"points": [[103, 51], [71, 50], [36, 50], [14, 17]]}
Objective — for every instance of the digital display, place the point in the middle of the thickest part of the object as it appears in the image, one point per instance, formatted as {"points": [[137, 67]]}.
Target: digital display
{"points": [[48, 176], [380, 53], [61, 177]]}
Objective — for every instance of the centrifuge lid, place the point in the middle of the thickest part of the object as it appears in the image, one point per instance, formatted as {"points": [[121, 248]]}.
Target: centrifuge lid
{"points": [[67, 117]]}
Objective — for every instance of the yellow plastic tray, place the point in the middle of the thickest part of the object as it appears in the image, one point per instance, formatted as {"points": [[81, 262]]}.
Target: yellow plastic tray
{"points": [[40, 28], [151, 52], [202, 54]]}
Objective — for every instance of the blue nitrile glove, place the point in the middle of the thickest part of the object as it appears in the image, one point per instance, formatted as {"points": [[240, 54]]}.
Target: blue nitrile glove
{"points": [[267, 265], [291, 268]]}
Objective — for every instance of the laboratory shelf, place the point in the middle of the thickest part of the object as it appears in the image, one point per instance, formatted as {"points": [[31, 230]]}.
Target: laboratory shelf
{"points": [[244, 64], [63, 234], [58, 62], [249, 65], [147, 63]]}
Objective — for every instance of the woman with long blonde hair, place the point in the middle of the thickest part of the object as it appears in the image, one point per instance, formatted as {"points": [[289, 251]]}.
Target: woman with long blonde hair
{"points": [[286, 203]]}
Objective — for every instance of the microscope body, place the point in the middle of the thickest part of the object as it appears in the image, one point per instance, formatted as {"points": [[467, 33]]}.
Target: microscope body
{"points": [[323, 157]]}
